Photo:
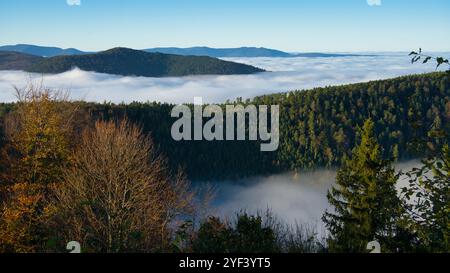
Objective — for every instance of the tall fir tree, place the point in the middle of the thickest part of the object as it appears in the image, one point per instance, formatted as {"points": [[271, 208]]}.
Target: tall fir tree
{"points": [[366, 206]]}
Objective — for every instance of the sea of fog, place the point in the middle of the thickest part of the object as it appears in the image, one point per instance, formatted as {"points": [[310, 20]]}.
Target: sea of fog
{"points": [[285, 74], [294, 198]]}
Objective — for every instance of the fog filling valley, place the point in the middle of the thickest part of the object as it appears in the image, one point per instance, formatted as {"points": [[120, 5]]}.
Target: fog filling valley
{"points": [[286, 74], [294, 198]]}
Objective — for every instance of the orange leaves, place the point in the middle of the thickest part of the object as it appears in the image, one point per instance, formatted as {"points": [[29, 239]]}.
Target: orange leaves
{"points": [[40, 133], [39, 138], [21, 218]]}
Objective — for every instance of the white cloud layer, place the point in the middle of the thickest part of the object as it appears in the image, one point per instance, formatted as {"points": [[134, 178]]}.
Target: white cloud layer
{"points": [[288, 74], [374, 2], [74, 2], [300, 198]]}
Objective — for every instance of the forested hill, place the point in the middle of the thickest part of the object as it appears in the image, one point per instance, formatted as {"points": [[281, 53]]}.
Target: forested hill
{"points": [[17, 61], [129, 62], [318, 127]]}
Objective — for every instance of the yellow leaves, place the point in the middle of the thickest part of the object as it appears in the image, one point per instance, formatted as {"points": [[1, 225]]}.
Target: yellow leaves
{"points": [[39, 134], [21, 217], [40, 131]]}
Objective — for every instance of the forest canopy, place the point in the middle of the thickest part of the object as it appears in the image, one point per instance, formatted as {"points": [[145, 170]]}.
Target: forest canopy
{"points": [[318, 127]]}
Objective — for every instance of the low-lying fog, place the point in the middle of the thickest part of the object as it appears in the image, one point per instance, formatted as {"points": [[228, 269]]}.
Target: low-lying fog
{"points": [[286, 74], [293, 198]]}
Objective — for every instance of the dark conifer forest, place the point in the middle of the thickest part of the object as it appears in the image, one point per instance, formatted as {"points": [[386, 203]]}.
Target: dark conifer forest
{"points": [[318, 127]]}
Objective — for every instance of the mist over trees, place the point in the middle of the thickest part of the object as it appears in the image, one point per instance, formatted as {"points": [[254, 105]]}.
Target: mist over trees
{"points": [[111, 177], [318, 127]]}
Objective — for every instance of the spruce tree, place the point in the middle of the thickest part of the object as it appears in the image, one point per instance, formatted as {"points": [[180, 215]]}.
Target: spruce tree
{"points": [[366, 206]]}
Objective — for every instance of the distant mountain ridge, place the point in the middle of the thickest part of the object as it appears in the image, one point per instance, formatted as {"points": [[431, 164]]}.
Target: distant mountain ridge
{"points": [[43, 51], [247, 52], [127, 62], [244, 52], [221, 52]]}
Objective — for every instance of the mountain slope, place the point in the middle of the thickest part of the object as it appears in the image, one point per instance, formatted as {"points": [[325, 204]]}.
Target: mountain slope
{"points": [[129, 62], [17, 61], [42, 51], [318, 127]]}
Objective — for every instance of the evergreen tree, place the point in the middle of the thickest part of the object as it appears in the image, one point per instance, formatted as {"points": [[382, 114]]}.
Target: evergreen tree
{"points": [[366, 206], [427, 202]]}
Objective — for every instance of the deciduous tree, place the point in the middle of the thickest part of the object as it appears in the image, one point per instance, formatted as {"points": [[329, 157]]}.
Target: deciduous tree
{"points": [[118, 195]]}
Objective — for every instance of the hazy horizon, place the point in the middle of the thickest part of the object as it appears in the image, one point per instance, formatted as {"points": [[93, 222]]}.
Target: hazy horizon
{"points": [[238, 46], [287, 74]]}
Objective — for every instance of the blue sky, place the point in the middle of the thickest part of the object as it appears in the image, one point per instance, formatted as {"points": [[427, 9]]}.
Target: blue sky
{"points": [[291, 25]]}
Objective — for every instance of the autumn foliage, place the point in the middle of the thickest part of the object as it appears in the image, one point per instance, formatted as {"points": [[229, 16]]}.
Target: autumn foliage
{"points": [[38, 134], [65, 177], [118, 196]]}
